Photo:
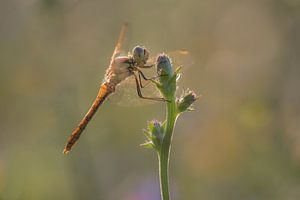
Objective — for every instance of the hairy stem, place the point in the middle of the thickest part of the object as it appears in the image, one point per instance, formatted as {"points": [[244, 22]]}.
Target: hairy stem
{"points": [[159, 135], [164, 153]]}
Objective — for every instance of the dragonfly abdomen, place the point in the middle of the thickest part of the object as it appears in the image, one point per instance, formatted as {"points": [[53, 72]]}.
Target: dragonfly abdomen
{"points": [[103, 93]]}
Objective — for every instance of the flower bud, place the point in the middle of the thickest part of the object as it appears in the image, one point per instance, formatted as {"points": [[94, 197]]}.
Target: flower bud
{"points": [[164, 66], [185, 102], [154, 134], [167, 76]]}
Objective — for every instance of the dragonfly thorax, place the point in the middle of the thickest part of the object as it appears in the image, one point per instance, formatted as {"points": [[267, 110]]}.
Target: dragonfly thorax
{"points": [[123, 66], [119, 70]]}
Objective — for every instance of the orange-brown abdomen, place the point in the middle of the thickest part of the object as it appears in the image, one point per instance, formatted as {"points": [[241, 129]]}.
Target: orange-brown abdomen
{"points": [[104, 91]]}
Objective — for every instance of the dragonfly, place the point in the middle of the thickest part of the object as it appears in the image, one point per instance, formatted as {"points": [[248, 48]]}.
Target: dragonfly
{"points": [[119, 69]]}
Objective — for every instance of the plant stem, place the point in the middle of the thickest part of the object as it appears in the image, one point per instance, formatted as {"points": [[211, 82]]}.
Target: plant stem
{"points": [[164, 153]]}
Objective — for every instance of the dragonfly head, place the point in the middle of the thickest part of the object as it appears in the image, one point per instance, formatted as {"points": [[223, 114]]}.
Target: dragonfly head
{"points": [[140, 55]]}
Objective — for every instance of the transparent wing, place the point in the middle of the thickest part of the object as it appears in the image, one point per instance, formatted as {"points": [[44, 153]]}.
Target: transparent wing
{"points": [[126, 93], [181, 58], [119, 42]]}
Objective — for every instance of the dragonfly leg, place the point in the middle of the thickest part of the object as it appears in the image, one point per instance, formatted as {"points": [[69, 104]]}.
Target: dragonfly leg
{"points": [[138, 88], [141, 75], [152, 79], [149, 79], [146, 66], [145, 78], [140, 82]]}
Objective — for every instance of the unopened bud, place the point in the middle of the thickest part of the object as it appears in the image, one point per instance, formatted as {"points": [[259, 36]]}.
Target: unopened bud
{"points": [[167, 76], [185, 102], [154, 134], [164, 66]]}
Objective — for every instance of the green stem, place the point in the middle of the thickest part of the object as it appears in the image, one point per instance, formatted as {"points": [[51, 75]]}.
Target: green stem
{"points": [[164, 153]]}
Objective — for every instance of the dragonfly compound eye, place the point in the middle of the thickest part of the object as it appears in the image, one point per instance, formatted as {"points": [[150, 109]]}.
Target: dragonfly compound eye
{"points": [[140, 54]]}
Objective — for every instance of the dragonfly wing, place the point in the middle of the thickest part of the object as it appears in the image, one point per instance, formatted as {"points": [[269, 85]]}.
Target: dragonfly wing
{"points": [[181, 58], [119, 42], [126, 93]]}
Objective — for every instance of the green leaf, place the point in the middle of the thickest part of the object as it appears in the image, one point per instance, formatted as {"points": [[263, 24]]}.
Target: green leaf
{"points": [[148, 145]]}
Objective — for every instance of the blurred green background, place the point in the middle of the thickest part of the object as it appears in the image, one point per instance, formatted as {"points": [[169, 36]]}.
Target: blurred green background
{"points": [[241, 143]]}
